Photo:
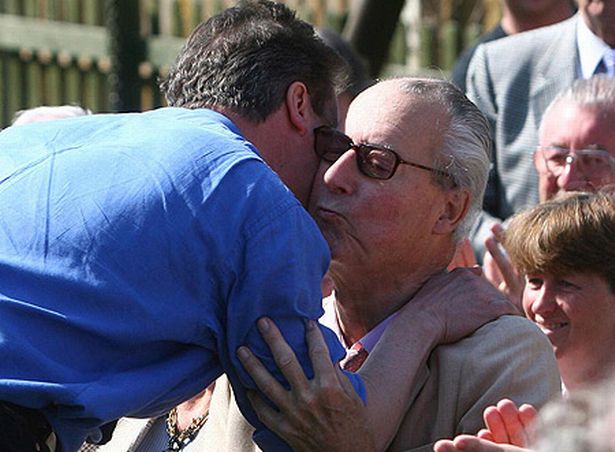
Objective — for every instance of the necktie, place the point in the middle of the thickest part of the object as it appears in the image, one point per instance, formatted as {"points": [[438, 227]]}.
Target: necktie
{"points": [[354, 358], [609, 62]]}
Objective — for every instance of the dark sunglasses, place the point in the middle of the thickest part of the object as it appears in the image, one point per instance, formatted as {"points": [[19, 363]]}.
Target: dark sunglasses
{"points": [[373, 161]]}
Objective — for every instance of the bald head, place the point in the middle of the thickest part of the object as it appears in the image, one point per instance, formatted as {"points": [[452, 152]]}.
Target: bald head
{"points": [[435, 116], [578, 123]]}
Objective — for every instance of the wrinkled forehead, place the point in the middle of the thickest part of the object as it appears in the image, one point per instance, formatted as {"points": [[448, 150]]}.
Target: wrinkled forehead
{"points": [[386, 115], [572, 125]]}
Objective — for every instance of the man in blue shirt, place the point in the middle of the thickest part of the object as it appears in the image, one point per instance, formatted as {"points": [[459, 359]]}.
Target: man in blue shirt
{"points": [[138, 250]]}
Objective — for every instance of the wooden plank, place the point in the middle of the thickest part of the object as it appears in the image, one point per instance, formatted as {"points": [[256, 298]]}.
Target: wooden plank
{"points": [[52, 85], [22, 32], [10, 7], [30, 8], [49, 9], [91, 90], [162, 50], [14, 77], [71, 11], [90, 13], [448, 44], [3, 86], [165, 17], [428, 45], [72, 85], [33, 83], [104, 93]]}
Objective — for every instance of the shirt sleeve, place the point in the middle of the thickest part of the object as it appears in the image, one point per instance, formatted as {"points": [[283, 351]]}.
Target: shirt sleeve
{"points": [[282, 260]]}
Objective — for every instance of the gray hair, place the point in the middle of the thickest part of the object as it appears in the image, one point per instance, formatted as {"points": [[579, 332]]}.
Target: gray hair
{"points": [[583, 422], [596, 93], [47, 113], [466, 149]]}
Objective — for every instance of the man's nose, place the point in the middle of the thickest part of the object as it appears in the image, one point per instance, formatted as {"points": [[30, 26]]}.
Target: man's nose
{"points": [[341, 176], [572, 178]]}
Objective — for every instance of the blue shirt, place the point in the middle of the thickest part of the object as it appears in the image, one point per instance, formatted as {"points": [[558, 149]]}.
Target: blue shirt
{"points": [[136, 253]]}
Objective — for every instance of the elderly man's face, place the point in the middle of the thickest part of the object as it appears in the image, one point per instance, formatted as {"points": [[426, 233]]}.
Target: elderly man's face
{"points": [[382, 222], [600, 17], [568, 127]]}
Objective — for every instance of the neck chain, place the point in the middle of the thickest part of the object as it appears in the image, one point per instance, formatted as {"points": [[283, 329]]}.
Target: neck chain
{"points": [[178, 440]]}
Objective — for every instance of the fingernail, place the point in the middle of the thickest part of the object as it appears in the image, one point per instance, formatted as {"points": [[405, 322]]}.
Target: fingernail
{"points": [[263, 324], [242, 352]]}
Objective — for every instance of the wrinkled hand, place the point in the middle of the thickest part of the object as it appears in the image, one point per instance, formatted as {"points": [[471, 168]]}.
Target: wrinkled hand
{"points": [[464, 255], [319, 414], [469, 443], [456, 303], [499, 270]]}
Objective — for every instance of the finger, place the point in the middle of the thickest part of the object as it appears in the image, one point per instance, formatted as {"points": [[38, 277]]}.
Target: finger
{"points": [[495, 424], [504, 265], [498, 232], [283, 355], [471, 443], [268, 385], [509, 412], [485, 434], [326, 372], [445, 445], [272, 419], [490, 268], [467, 252], [476, 270], [319, 352], [528, 415]]}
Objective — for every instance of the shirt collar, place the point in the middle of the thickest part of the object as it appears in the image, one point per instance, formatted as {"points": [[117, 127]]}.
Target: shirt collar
{"points": [[369, 341], [590, 48]]}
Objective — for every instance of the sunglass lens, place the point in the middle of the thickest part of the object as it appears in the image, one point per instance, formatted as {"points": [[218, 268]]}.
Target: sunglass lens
{"points": [[331, 144]]}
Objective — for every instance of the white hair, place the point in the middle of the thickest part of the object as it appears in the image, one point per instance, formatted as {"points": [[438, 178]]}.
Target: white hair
{"points": [[584, 422], [596, 93], [466, 150], [45, 113]]}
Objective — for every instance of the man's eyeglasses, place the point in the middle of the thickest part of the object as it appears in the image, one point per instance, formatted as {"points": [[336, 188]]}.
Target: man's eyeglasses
{"points": [[591, 162], [376, 162]]}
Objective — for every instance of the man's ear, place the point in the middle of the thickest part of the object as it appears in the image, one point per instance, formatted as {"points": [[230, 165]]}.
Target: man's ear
{"points": [[456, 207], [539, 162], [299, 107]]}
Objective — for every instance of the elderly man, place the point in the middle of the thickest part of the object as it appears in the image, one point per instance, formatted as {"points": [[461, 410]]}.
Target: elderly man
{"points": [[392, 199], [576, 153], [512, 80], [137, 250]]}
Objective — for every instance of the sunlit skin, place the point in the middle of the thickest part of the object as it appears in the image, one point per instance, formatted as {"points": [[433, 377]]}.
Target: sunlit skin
{"points": [[577, 314], [600, 17], [523, 15], [381, 229], [572, 127], [286, 138]]}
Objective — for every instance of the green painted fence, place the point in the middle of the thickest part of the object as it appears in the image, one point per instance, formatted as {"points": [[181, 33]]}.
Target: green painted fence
{"points": [[55, 52]]}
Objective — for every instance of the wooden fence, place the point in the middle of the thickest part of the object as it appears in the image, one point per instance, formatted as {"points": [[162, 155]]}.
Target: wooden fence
{"points": [[55, 52]]}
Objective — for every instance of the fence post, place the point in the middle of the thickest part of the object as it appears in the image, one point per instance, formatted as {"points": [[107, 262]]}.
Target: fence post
{"points": [[127, 49]]}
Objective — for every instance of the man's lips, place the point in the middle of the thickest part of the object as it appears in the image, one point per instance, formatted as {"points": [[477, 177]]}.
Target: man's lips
{"points": [[327, 213]]}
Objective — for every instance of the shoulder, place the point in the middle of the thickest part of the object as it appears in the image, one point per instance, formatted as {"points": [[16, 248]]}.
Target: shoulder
{"points": [[502, 342], [527, 43]]}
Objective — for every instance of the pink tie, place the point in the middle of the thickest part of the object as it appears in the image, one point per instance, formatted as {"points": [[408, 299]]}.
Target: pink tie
{"points": [[354, 358]]}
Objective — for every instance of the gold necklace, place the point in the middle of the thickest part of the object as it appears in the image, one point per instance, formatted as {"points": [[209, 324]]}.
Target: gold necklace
{"points": [[178, 440]]}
